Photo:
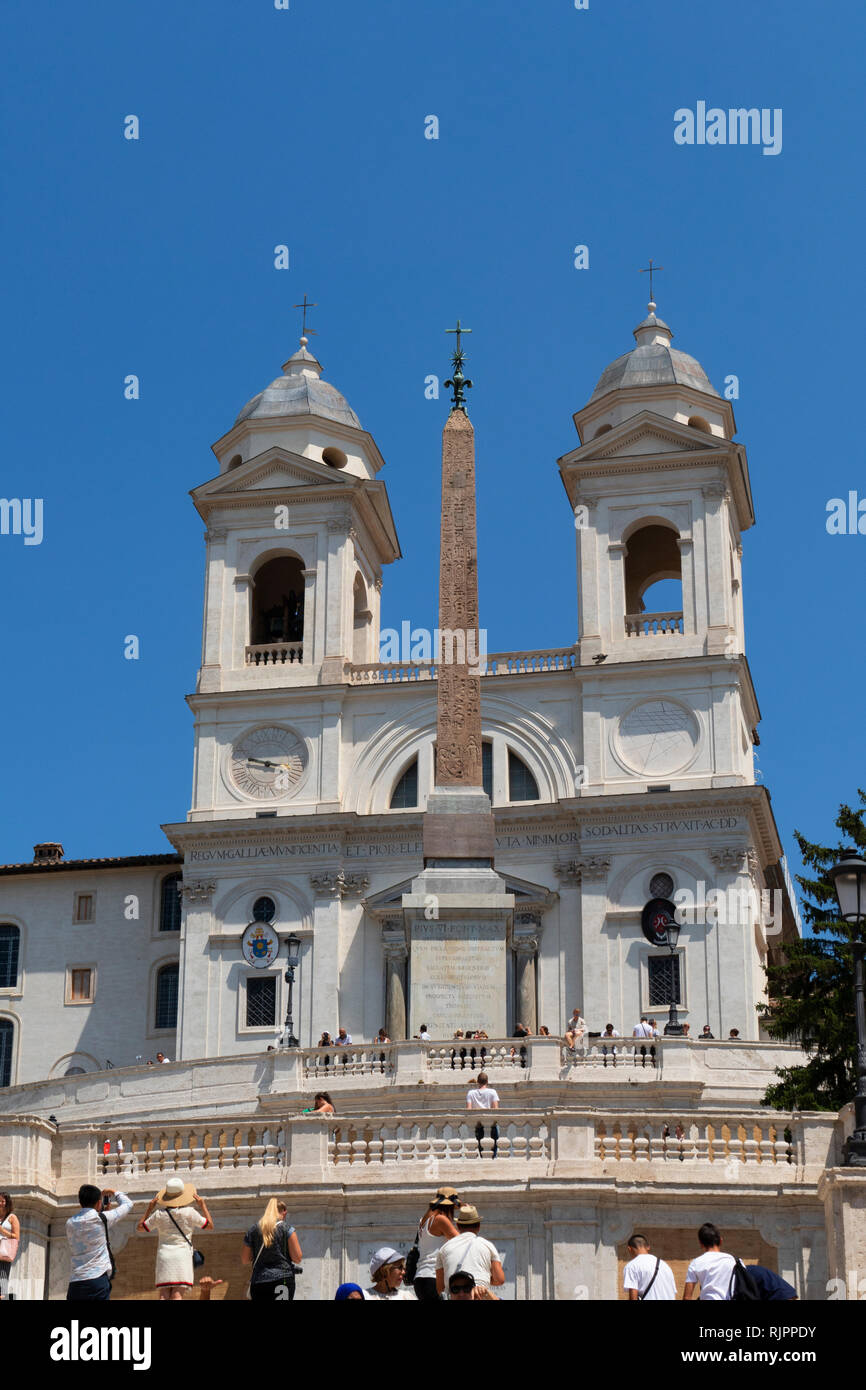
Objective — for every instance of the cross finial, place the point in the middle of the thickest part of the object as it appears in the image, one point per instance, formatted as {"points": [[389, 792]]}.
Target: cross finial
{"points": [[305, 331], [457, 380], [650, 270]]}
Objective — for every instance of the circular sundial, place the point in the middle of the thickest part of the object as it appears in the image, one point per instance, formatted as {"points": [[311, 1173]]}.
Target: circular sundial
{"points": [[268, 763], [657, 737]]}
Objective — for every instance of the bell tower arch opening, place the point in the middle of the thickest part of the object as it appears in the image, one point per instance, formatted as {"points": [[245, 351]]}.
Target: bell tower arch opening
{"points": [[362, 619], [653, 579], [277, 613]]}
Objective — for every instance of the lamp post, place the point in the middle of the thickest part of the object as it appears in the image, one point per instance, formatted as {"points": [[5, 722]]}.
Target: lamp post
{"points": [[673, 1027], [293, 947], [849, 881]]}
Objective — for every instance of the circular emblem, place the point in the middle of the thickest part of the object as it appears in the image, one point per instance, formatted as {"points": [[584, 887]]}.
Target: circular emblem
{"points": [[657, 737], [655, 917], [268, 763], [260, 945]]}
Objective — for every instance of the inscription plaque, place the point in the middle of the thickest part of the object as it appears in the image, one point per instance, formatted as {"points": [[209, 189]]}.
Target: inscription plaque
{"points": [[457, 977]]}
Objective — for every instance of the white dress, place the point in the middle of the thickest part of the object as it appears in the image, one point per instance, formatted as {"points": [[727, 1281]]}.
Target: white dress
{"points": [[174, 1254]]}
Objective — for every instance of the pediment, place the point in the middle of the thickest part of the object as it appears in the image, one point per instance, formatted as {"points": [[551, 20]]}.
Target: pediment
{"points": [[647, 434], [276, 470], [391, 899]]}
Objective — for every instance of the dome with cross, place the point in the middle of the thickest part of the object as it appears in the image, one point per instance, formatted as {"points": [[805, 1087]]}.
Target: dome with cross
{"points": [[300, 391], [653, 362]]}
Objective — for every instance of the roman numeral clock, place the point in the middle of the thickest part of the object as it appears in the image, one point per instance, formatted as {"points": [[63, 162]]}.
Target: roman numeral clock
{"points": [[268, 763]]}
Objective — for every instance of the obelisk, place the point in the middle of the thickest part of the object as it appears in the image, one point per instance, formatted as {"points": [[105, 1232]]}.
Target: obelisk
{"points": [[458, 911]]}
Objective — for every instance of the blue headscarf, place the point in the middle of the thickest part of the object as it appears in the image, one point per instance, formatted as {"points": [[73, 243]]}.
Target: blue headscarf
{"points": [[345, 1289]]}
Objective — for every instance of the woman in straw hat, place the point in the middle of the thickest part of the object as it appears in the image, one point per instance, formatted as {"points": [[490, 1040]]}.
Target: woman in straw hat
{"points": [[174, 1213], [436, 1226]]}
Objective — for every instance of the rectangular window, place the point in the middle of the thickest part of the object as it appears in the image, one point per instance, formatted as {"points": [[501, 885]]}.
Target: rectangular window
{"points": [[79, 984], [261, 1001], [83, 907], [664, 981], [9, 942]]}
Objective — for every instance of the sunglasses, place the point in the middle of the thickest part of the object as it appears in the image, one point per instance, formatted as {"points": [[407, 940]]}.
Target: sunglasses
{"points": [[461, 1288]]}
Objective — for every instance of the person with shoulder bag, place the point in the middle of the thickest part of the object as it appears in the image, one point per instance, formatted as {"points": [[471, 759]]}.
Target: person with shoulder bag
{"points": [[435, 1227], [173, 1216], [274, 1251], [10, 1234], [91, 1262]]}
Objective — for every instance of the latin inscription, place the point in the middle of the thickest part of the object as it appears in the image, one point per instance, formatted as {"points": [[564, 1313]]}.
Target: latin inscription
{"points": [[457, 974]]}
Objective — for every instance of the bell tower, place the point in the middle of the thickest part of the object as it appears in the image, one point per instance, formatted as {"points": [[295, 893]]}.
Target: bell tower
{"points": [[660, 493]]}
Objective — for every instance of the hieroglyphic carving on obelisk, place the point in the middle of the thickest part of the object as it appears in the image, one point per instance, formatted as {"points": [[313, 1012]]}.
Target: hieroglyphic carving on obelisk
{"points": [[458, 723]]}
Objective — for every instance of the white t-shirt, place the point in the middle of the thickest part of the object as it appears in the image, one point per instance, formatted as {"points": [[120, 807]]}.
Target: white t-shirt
{"points": [[482, 1098], [400, 1295], [606, 1037], [642, 1030], [640, 1270], [712, 1271], [468, 1251]]}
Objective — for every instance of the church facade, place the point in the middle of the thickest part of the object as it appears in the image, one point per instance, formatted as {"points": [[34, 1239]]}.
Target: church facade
{"points": [[620, 769]]}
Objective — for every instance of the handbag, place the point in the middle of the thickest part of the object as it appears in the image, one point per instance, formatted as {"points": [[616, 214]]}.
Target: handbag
{"points": [[8, 1248], [197, 1256], [412, 1260]]}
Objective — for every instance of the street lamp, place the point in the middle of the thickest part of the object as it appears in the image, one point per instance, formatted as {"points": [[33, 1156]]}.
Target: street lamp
{"points": [[293, 948], [849, 880], [673, 1027]]}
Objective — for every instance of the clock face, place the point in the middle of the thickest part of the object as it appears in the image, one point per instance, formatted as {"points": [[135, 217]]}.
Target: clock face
{"points": [[657, 737], [271, 744]]}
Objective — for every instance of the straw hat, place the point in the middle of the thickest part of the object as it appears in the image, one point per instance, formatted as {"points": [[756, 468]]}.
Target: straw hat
{"points": [[467, 1216], [176, 1193]]}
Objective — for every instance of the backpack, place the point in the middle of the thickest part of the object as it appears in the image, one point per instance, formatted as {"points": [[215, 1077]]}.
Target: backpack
{"points": [[742, 1288]]}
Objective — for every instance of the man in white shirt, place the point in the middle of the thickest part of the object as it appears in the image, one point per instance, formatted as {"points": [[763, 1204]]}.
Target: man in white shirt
{"points": [[343, 1037], [575, 1029], [712, 1270], [468, 1252], [91, 1261], [424, 1036], [646, 1277], [483, 1097], [642, 1031]]}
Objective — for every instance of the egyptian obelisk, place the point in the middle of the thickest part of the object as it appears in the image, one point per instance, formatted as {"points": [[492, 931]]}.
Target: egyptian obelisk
{"points": [[458, 911]]}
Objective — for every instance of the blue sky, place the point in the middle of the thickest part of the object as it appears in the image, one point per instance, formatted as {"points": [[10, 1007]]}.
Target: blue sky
{"points": [[306, 127]]}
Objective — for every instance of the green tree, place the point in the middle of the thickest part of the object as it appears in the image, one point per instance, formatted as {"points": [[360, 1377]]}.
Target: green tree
{"points": [[812, 990]]}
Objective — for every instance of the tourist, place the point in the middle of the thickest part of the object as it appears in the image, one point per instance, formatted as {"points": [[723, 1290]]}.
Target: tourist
{"points": [[575, 1029], [435, 1227], [468, 1252], [646, 1276], [609, 1032], [387, 1268], [642, 1031], [521, 1031], [273, 1249], [543, 1032], [161, 1057], [734, 1035], [325, 1041], [713, 1270], [342, 1037], [458, 1033], [10, 1234], [322, 1104], [382, 1036], [705, 1032], [423, 1034], [173, 1216], [685, 1031], [348, 1291], [483, 1097], [91, 1261]]}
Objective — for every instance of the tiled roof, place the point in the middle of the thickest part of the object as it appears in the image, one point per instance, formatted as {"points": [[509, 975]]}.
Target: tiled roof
{"points": [[127, 861]]}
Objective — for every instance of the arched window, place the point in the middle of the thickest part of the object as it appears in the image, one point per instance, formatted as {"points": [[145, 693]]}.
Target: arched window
{"points": [[653, 581], [7, 1038], [487, 767], [362, 619], [9, 942], [405, 794], [74, 1071], [522, 786], [277, 619], [169, 903], [165, 1014]]}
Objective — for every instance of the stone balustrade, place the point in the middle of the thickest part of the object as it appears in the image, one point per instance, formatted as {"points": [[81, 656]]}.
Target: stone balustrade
{"points": [[653, 624], [332, 1063], [721, 1139], [274, 653], [494, 664], [440, 1139], [477, 1056]]}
